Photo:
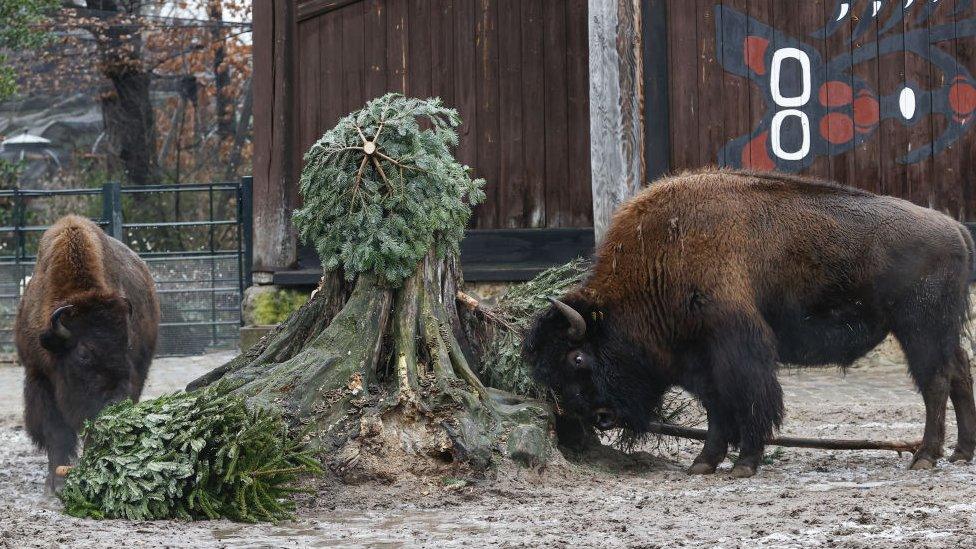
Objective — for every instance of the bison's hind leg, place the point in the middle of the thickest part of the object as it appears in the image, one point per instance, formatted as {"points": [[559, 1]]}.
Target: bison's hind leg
{"points": [[47, 427], [961, 393], [930, 357]]}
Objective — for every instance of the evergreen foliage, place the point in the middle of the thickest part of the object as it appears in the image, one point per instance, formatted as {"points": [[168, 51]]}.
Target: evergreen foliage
{"points": [[382, 188], [199, 455], [19, 30]]}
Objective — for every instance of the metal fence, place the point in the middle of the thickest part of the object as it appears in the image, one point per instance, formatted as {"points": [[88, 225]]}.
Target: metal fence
{"points": [[195, 238]]}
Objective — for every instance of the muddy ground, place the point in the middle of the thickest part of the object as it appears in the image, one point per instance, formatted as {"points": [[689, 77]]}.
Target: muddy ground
{"points": [[802, 498]]}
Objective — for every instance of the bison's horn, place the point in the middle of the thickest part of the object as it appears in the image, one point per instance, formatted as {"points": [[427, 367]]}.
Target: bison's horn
{"points": [[577, 326], [56, 323]]}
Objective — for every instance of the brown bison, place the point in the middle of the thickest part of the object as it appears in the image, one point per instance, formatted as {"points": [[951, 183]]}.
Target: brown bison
{"points": [[706, 280], [85, 332]]}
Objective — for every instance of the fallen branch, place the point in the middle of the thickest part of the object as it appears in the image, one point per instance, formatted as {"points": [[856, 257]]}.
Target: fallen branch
{"points": [[486, 313], [794, 442]]}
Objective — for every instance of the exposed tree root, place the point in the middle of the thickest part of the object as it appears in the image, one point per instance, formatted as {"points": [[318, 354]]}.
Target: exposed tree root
{"points": [[385, 386]]}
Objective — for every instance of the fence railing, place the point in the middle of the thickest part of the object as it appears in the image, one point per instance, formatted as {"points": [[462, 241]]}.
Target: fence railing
{"points": [[196, 240]]}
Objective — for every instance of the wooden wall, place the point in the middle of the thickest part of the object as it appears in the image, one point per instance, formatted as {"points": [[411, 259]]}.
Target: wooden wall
{"points": [[721, 107], [516, 70]]}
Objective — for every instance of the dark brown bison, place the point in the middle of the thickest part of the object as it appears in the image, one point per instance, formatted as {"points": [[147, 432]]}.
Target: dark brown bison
{"points": [[85, 332], [705, 280]]}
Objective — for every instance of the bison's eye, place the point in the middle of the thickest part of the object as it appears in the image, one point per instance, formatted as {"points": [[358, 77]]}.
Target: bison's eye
{"points": [[579, 360]]}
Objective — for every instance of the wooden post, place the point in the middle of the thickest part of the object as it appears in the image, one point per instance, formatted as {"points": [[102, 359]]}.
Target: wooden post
{"points": [[275, 134], [616, 106]]}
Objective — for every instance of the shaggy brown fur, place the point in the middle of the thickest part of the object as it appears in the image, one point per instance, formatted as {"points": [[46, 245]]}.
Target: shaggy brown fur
{"points": [[706, 280], [113, 322]]}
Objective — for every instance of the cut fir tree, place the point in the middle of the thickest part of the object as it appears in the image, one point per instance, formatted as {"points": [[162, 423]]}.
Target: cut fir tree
{"points": [[378, 369]]}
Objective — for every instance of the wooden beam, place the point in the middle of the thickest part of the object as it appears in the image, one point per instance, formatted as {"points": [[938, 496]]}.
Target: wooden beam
{"points": [[616, 106], [657, 114], [275, 133]]}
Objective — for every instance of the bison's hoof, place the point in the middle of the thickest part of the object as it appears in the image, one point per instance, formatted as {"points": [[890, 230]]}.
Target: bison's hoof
{"points": [[701, 469], [959, 455], [743, 471], [922, 464]]}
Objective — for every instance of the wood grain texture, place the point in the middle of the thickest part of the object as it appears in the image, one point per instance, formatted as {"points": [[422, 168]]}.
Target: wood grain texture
{"points": [[533, 96], [511, 174], [616, 96], [517, 71], [276, 160], [683, 92], [578, 101], [374, 27]]}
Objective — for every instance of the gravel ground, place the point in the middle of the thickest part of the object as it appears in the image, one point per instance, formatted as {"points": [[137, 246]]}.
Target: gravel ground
{"points": [[802, 498]]}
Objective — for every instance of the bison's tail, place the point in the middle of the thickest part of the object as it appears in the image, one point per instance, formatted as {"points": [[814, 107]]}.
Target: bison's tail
{"points": [[967, 239]]}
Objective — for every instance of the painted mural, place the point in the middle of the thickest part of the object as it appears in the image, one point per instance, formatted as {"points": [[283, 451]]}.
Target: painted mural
{"points": [[817, 107]]}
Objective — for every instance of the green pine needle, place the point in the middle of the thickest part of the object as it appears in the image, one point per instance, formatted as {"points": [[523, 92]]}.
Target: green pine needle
{"points": [[380, 211], [199, 455]]}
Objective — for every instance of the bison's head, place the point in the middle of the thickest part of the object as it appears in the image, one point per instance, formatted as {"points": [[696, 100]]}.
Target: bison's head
{"points": [[595, 371], [87, 337]]}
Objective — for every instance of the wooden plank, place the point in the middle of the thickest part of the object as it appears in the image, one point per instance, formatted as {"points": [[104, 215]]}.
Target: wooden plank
{"points": [[947, 163], [263, 90], [556, 138], [799, 24], [866, 156], [418, 33], [442, 21], [331, 66], [511, 175], [533, 114], [712, 104], [465, 82], [577, 95], [966, 56], [837, 47], [374, 26], [486, 70], [893, 133], [657, 139], [309, 97], [275, 244], [683, 95], [615, 116], [760, 12], [919, 174], [733, 89], [397, 66], [353, 57]]}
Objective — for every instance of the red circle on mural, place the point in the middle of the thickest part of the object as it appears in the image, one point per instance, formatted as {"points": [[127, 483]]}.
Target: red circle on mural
{"points": [[754, 53], [837, 128], [866, 113], [755, 155], [962, 97], [835, 94]]}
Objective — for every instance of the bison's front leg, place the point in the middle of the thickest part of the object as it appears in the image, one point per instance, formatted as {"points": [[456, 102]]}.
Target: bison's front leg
{"points": [[716, 442], [47, 428], [743, 356]]}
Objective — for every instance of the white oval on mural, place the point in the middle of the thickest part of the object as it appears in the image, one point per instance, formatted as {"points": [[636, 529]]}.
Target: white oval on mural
{"points": [[906, 102]]}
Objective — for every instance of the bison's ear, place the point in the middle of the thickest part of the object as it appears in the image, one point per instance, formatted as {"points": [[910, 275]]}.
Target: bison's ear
{"points": [[57, 337]]}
